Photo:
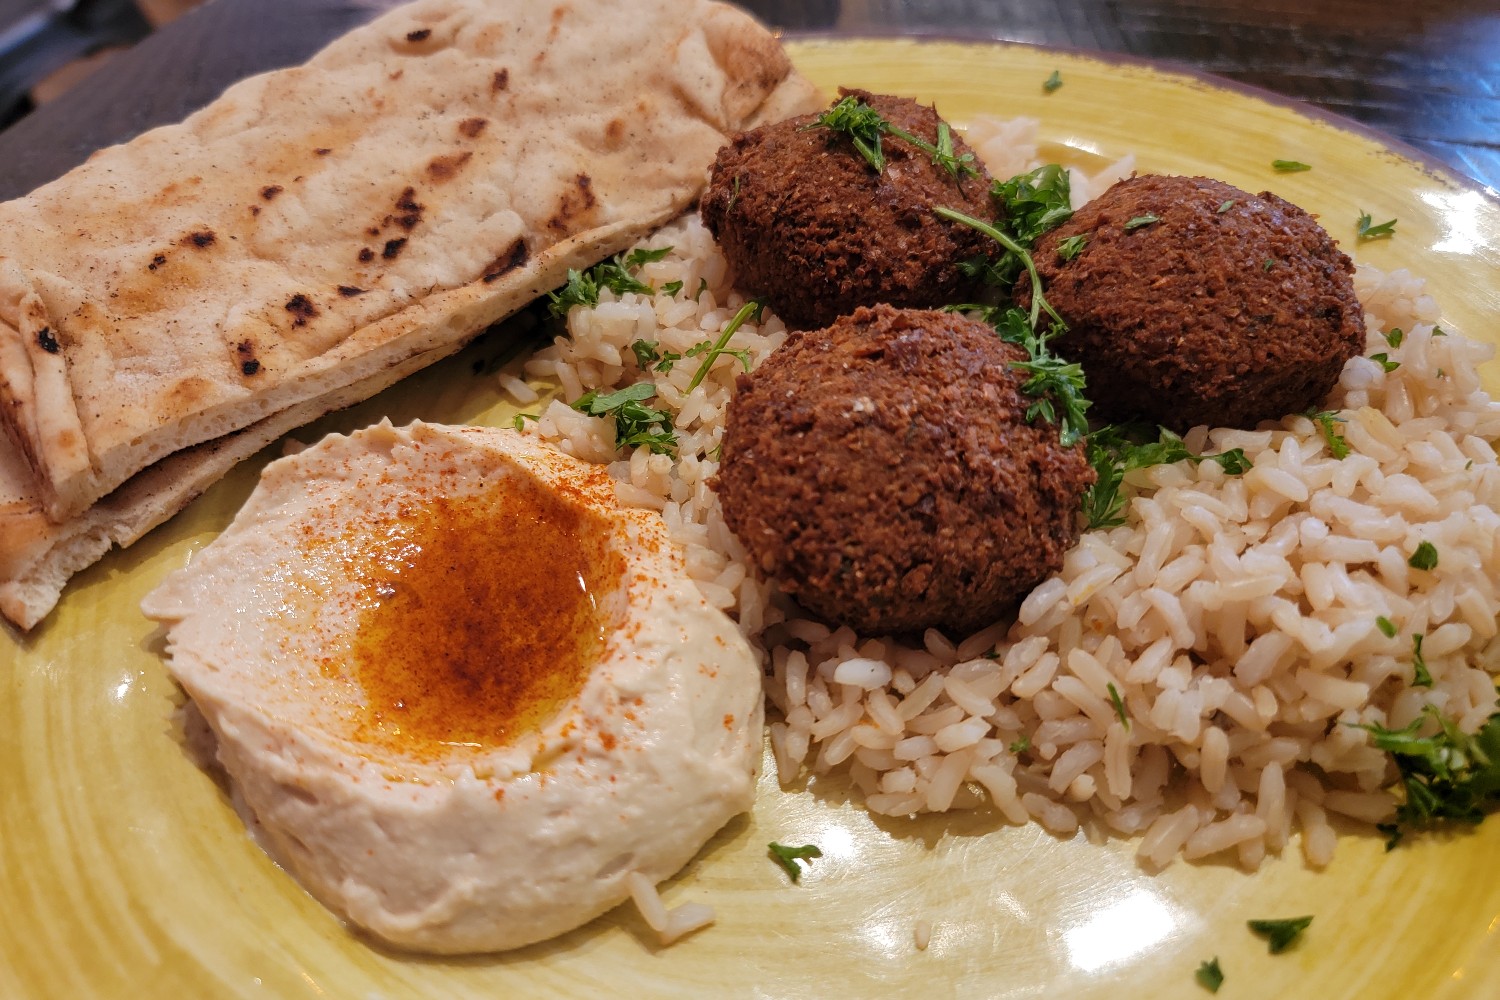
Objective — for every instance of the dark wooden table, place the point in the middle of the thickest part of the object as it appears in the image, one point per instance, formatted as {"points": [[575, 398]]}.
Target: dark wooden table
{"points": [[1426, 72]]}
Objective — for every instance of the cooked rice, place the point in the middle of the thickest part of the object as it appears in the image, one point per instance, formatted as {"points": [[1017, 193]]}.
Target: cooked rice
{"points": [[669, 925], [1236, 617]]}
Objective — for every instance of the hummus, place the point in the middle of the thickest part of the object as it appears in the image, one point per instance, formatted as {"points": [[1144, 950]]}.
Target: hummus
{"points": [[464, 691]]}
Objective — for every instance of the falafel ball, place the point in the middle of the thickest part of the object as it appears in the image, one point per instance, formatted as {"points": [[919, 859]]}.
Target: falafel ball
{"points": [[883, 472], [805, 220], [1193, 302]]}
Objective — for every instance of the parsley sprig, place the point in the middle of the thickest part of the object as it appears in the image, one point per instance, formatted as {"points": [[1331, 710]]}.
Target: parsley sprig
{"points": [[1328, 422], [866, 127], [787, 857], [710, 351], [1449, 775], [635, 423], [1280, 934], [582, 287], [1056, 384], [1369, 229], [1117, 449]]}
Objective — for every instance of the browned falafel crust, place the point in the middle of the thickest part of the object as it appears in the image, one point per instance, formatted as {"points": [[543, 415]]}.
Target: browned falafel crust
{"points": [[1229, 309], [883, 472], [806, 222]]}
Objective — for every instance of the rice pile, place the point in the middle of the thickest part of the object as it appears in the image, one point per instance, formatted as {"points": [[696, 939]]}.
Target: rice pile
{"points": [[1237, 618]]}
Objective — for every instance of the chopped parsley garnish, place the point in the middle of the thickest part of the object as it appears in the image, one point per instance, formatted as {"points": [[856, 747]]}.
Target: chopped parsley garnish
{"points": [[711, 351], [1280, 934], [1209, 975], [787, 857], [1425, 557], [1420, 676], [1034, 202], [1021, 745], [702, 287], [1328, 421], [671, 288], [1116, 450], [1268, 263], [1450, 775], [1386, 626], [1395, 337], [1367, 231], [1224, 206], [1141, 220], [1055, 384], [1289, 166], [1119, 703], [582, 288], [1052, 82], [1017, 249], [635, 422], [734, 195], [1385, 361], [865, 126], [638, 257], [861, 123], [650, 357], [1071, 247], [519, 420]]}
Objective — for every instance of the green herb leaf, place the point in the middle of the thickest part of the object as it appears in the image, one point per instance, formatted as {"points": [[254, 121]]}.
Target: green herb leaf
{"points": [[1328, 421], [648, 356], [1055, 384], [1071, 247], [1289, 166], [1209, 975], [1021, 745], [638, 257], [582, 288], [1420, 677], [519, 420], [1034, 203], [861, 123], [1115, 450], [1449, 775], [1385, 361], [636, 424], [1426, 556], [1141, 220], [1395, 337], [671, 288], [1119, 703], [1015, 249], [1052, 82], [1224, 207], [1267, 264], [1386, 626], [943, 154], [712, 351], [865, 126], [1367, 231], [702, 287], [787, 857], [1280, 933]]}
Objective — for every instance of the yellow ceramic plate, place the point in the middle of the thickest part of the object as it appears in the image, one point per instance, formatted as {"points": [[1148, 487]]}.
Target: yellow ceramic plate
{"points": [[124, 871]]}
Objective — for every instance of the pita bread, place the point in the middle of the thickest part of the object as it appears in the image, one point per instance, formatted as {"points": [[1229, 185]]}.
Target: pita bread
{"points": [[316, 229], [315, 223]]}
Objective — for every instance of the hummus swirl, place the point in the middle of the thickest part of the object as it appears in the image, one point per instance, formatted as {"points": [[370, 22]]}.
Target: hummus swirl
{"points": [[464, 692]]}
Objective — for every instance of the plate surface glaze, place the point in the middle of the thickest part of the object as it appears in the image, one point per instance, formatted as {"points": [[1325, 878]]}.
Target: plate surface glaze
{"points": [[125, 871]]}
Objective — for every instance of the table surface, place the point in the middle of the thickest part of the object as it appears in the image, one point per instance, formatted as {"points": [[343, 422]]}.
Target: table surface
{"points": [[1426, 73]]}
